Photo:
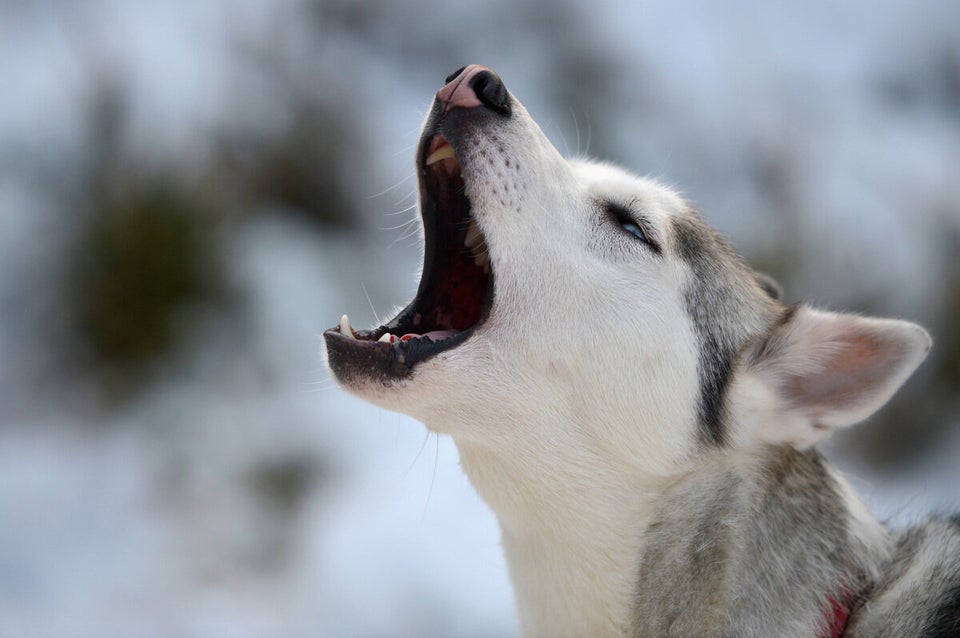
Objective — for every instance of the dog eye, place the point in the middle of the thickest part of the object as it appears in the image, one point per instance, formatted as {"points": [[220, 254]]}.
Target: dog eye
{"points": [[625, 220], [634, 230], [628, 223]]}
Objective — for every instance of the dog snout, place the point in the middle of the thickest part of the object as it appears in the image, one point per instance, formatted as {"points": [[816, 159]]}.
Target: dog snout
{"points": [[473, 86]]}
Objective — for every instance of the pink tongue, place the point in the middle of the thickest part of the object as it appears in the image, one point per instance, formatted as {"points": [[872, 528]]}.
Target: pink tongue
{"points": [[433, 335]]}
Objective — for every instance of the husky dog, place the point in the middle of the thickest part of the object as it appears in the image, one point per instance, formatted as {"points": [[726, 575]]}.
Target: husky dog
{"points": [[635, 403]]}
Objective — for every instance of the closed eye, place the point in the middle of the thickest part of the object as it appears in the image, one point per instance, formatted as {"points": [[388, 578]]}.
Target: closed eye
{"points": [[629, 224]]}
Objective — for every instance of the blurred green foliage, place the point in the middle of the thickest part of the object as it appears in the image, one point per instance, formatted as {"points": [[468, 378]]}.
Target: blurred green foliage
{"points": [[144, 256], [300, 171], [147, 259]]}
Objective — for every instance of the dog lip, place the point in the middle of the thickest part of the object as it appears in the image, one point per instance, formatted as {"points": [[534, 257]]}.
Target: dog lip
{"points": [[365, 357], [352, 359]]}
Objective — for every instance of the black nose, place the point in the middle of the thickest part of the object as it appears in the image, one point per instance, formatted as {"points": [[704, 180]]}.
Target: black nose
{"points": [[453, 76], [472, 86], [490, 89]]}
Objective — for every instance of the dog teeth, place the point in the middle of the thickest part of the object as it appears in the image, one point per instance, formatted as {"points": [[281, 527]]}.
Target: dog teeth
{"points": [[386, 338], [473, 237], [345, 328], [442, 153], [475, 242]]}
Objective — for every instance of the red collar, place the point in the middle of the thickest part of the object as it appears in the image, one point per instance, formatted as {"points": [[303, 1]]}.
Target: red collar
{"points": [[837, 617]]}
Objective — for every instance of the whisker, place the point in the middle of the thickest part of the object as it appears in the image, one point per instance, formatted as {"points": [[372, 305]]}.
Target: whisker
{"points": [[412, 194], [416, 458], [405, 150], [370, 302], [433, 479], [403, 210], [399, 226], [389, 188], [320, 385], [589, 137], [410, 232], [576, 126]]}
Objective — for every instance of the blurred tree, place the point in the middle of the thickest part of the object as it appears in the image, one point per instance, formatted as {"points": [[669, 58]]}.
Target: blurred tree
{"points": [[302, 170], [144, 255], [145, 251]]}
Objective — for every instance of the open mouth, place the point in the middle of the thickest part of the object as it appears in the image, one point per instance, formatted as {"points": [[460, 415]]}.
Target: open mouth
{"points": [[456, 288]]}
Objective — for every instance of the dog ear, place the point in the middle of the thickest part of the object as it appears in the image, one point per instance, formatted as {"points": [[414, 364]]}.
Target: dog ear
{"points": [[770, 285], [816, 371]]}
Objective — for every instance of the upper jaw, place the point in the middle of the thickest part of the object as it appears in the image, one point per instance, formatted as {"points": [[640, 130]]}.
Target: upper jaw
{"points": [[456, 290]]}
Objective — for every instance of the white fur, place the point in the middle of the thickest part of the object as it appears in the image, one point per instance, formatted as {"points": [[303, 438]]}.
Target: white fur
{"points": [[566, 418]]}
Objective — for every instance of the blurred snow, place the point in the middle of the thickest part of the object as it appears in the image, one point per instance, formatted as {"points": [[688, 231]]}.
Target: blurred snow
{"points": [[154, 519], [148, 524]]}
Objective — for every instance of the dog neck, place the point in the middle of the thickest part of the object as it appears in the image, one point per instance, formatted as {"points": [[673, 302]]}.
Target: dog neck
{"points": [[575, 527], [571, 531]]}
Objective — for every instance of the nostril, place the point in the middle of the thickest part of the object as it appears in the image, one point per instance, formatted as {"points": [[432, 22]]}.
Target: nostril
{"points": [[474, 86], [490, 90], [453, 76]]}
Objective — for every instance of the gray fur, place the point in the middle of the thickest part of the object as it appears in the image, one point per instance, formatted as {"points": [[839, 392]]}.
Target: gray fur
{"points": [[735, 552], [726, 303], [919, 592], [761, 546]]}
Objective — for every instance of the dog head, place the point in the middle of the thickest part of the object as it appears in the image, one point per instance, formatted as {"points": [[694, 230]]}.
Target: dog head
{"points": [[579, 304]]}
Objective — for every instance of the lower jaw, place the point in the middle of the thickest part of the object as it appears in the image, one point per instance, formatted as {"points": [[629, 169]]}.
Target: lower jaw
{"points": [[357, 359]]}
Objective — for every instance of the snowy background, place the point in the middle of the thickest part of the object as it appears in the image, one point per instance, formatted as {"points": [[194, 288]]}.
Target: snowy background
{"points": [[190, 192]]}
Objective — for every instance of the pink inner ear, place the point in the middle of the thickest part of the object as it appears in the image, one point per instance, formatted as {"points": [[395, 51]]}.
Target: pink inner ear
{"points": [[831, 370], [852, 367]]}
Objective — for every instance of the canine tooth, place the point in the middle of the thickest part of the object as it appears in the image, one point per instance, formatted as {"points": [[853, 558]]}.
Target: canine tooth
{"points": [[473, 235], [345, 328], [442, 153], [481, 259], [386, 338]]}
